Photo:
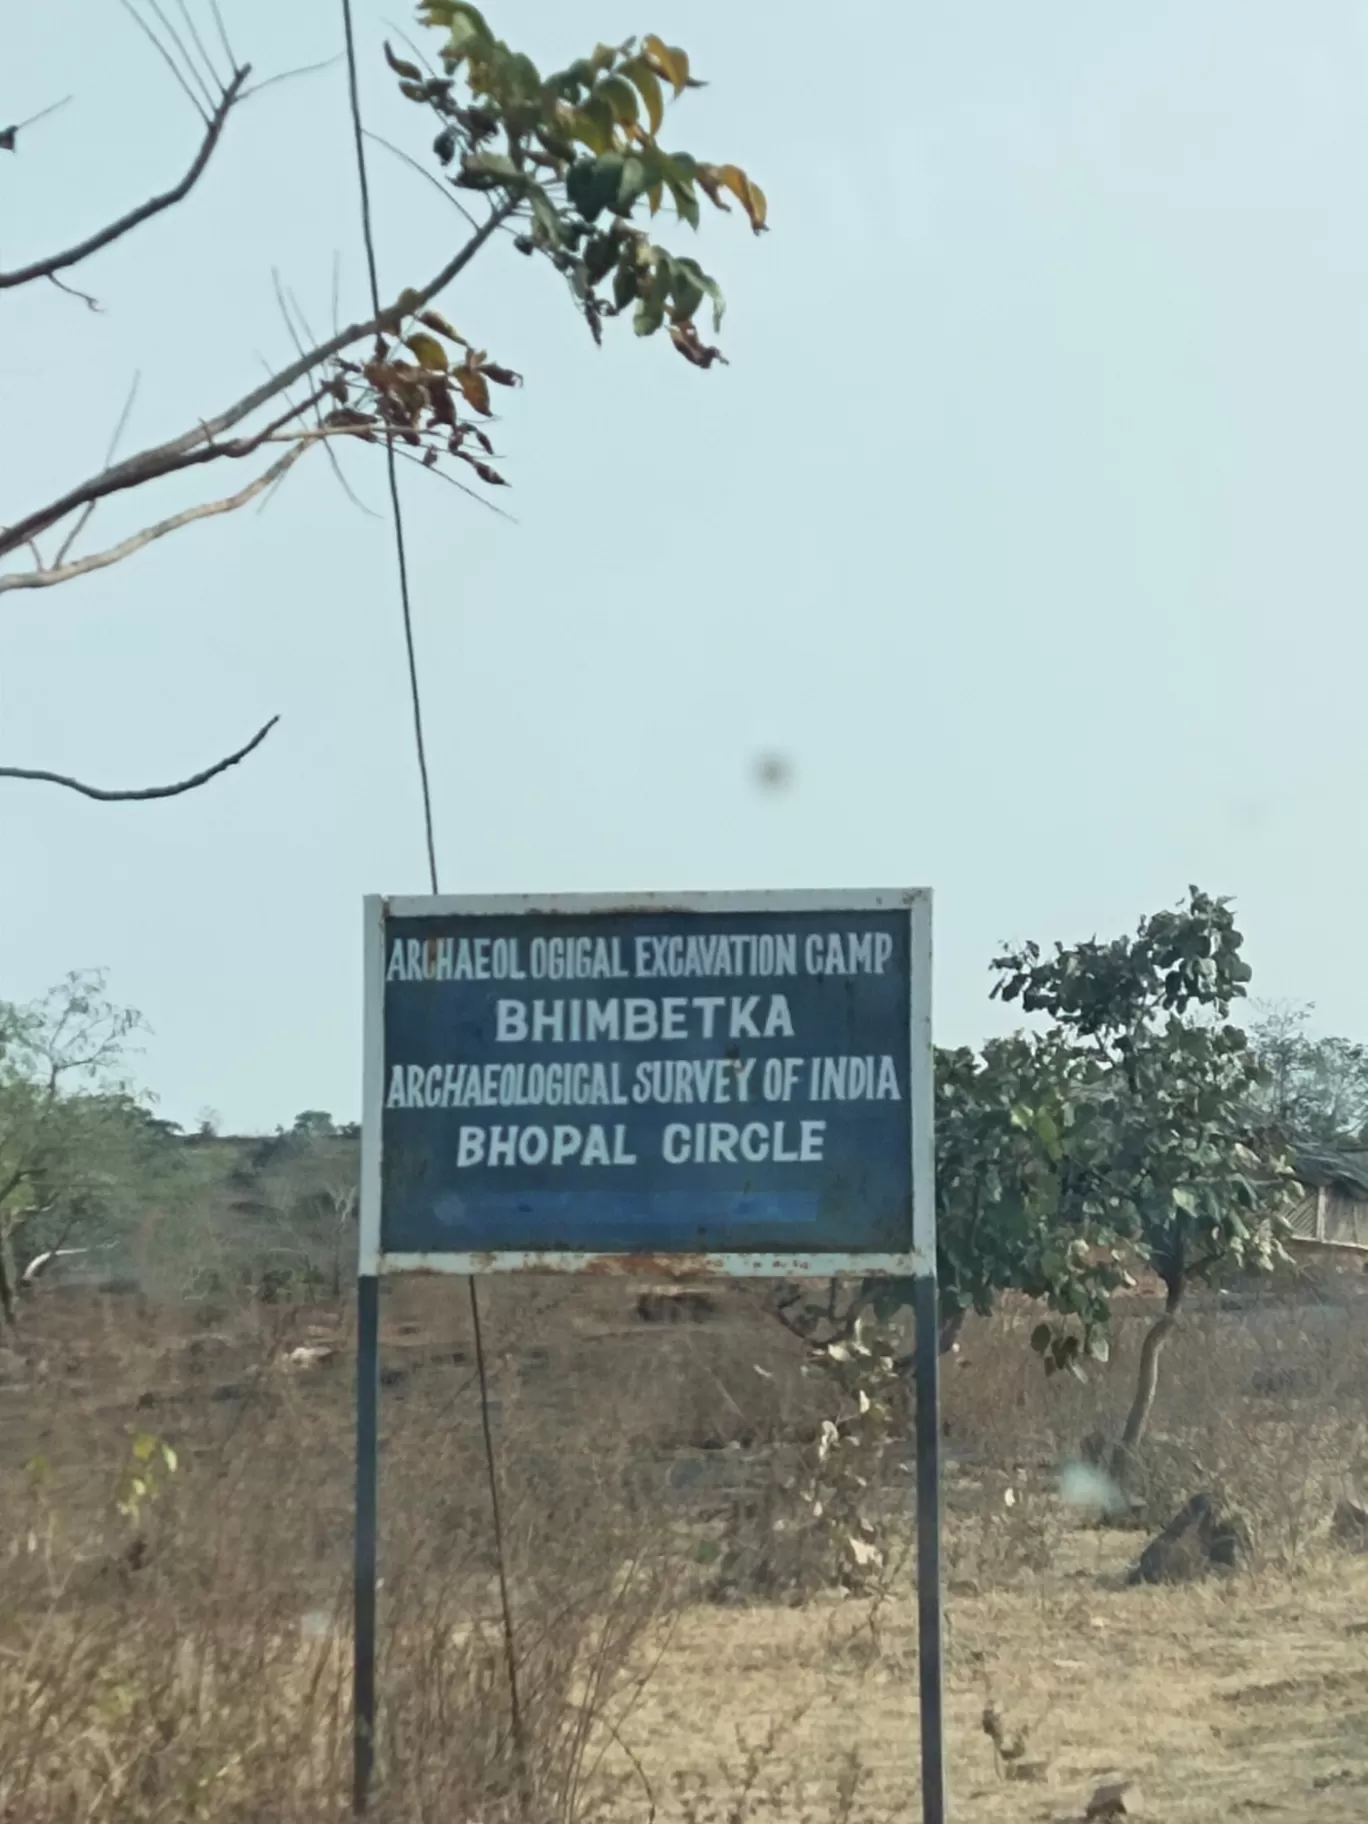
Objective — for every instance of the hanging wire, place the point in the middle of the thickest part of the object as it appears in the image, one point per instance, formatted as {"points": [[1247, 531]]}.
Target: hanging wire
{"points": [[415, 697]]}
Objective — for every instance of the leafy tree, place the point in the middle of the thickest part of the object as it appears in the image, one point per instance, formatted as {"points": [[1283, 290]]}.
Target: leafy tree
{"points": [[313, 1124], [1316, 1089], [568, 166], [1123, 1126], [1157, 1145], [77, 1149]]}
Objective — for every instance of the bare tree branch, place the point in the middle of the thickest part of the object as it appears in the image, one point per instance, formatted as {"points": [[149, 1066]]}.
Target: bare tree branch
{"points": [[304, 69], [74, 291], [114, 231], [200, 445], [9, 135], [209, 509], [152, 791]]}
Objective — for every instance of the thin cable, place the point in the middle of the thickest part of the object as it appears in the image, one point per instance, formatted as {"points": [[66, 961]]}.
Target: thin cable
{"points": [[358, 134], [481, 1367]]}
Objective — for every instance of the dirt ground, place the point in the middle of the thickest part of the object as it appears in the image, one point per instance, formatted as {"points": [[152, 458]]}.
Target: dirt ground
{"points": [[1239, 1700], [1241, 1697]]}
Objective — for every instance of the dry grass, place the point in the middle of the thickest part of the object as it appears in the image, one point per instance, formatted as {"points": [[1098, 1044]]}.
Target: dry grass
{"points": [[191, 1663]]}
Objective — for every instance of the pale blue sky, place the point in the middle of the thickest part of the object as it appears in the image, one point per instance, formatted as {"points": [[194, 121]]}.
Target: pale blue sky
{"points": [[1028, 519]]}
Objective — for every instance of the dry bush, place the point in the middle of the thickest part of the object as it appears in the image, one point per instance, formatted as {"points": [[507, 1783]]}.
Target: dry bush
{"points": [[190, 1659], [1269, 1416], [1261, 1403]]}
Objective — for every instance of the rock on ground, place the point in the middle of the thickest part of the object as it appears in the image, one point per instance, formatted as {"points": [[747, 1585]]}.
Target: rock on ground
{"points": [[1198, 1539]]}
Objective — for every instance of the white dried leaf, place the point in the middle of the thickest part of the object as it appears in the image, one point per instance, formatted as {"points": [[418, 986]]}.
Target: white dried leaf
{"points": [[864, 1553]]}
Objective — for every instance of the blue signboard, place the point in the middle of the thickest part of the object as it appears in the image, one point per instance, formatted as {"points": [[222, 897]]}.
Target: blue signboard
{"points": [[739, 1078]]}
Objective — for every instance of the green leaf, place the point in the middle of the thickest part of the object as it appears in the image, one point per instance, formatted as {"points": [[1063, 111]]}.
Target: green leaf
{"points": [[650, 311], [638, 71], [522, 77], [626, 281], [621, 98], [595, 125], [600, 257], [1041, 1338], [546, 217], [685, 201], [635, 181], [686, 294], [429, 351], [592, 185], [1047, 1131]]}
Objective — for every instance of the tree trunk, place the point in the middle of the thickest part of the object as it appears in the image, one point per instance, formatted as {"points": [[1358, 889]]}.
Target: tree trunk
{"points": [[9, 1288], [1147, 1384], [950, 1330]]}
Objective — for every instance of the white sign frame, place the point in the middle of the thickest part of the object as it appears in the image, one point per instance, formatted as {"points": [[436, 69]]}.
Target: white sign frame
{"points": [[914, 903]]}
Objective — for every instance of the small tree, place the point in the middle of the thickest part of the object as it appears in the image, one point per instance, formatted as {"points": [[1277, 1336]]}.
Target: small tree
{"points": [[563, 165], [1128, 1126], [73, 1138], [1162, 1149], [314, 1124]]}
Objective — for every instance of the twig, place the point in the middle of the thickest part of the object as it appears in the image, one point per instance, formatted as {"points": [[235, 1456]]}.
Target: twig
{"points": [[348, 489], [44, 269], [152, 791], [482, 500], [284, 306], [8, 135], [74, 291], [110, 453], [165, 56], [422, 170], [289, 309], [223, 34], [193, 30], [305, 69], [190, 64], [190, 448], [209, 509]]}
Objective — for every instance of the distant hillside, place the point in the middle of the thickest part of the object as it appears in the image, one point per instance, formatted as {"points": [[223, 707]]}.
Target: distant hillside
{"points": [[271, 1214]]}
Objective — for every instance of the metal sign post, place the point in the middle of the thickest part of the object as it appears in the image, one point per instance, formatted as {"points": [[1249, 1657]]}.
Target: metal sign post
{"points": [[727, 1084]]}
